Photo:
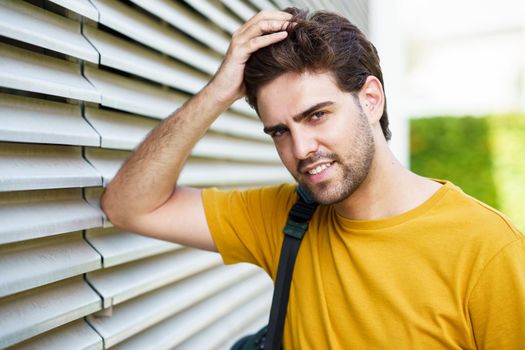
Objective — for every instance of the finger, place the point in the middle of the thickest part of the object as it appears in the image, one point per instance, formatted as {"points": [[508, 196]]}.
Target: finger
{"points": [[265, 27], [265, 15], [271, 14], [258, 42]]}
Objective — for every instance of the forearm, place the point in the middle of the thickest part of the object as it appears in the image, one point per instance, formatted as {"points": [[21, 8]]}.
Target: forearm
{"points": [[149, 176]]}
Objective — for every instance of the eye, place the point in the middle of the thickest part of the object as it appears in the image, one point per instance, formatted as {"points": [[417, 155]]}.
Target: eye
{"points": [[279, 132], [317, 115]]}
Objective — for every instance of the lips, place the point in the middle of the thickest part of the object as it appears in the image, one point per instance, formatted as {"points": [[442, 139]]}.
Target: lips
{"points": [[319, 168]]}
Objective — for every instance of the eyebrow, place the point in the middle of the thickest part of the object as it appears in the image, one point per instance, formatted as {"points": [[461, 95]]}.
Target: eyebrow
{"points": [[298, 117]]}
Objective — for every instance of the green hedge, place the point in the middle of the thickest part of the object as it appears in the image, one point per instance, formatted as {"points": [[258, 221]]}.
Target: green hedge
{"points": [[485, 156]]}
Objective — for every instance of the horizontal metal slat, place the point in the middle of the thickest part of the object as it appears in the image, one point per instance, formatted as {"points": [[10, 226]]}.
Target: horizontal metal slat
{"points": [[194, 320], [151, 33], [231, 326], [129, 57], [107, 162], [217, 15], [118, 54], [126, 131], [29, 167], [196, 173], [75, 335], [33, 25], [243, 107], [120, 283], [142, 312], [119, 247], [35, 311], [33, 214], [134, 96], [222, 147], [119, 130], [263, 4], [82, 7], [29, 71], [92, 196], [34, 120], [202, 174], [287, 3], [237, 125], [179, 17], [242, 10], [31, 264]]}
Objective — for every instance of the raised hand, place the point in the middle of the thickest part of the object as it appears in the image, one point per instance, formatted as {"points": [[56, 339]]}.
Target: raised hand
{"points": [[263, 29]]}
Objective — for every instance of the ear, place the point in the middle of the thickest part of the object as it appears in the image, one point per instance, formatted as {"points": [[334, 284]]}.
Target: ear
{"points": [[372, 99]]}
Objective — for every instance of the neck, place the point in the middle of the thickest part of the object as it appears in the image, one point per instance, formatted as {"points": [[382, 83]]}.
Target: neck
{"points": [[389, 189]]}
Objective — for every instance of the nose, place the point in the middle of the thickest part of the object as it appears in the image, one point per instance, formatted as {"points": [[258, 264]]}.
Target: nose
{"points": [[304, 145]]}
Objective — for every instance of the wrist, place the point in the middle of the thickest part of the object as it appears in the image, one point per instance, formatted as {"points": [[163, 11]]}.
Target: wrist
{"points": [[220, 95]]}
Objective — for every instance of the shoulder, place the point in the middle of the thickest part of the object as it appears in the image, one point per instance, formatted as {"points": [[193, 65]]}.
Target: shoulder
{"points": [[483, 220], [474, 227], [267, 200]]}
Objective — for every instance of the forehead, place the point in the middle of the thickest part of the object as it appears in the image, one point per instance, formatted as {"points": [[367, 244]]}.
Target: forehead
{"points": [[292, 93]]}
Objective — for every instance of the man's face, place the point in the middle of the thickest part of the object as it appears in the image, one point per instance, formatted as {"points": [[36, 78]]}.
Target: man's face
{"points": [[321, 133]]}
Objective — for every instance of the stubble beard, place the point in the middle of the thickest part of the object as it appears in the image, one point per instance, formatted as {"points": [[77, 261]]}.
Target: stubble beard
{"points": [[353, 167]]}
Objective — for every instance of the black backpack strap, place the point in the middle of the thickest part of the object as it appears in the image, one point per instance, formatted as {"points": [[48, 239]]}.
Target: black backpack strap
{"points": [[294, 231]]}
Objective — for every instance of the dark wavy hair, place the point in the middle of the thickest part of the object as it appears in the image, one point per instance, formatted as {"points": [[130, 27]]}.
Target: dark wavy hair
{"points": [[323, 41]]}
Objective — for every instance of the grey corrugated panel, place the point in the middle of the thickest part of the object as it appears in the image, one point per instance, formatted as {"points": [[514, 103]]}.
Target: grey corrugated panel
{"points": [[223, 147], [263, 4], [232, 326], [31, 24], [140, 313], [196, 173], [26, 265], [34, 120], [92, 196], [242, 10], [243, 107], [151, 33], [251, 328], [193, 321], [82, 7], [35, 311], [107, 162], [119, 130], [142, 98], [33, 214], [230, 174], [237, 125], [123, 282], [132, 58], [28, 167], [186, 21], [29, 71], [126, 131], [118, 247], [282, 4], [134, 96], [215, 13], [76, 335]]}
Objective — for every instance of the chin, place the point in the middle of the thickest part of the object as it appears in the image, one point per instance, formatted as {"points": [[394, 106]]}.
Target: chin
{"points": [[326, 194]]}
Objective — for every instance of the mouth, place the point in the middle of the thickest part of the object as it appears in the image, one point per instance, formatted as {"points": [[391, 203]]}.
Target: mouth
{"points": [[319, 168]]}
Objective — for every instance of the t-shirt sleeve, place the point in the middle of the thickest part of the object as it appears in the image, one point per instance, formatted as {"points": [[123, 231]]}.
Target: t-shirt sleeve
{"points": [[497, 302], [247, 225]]}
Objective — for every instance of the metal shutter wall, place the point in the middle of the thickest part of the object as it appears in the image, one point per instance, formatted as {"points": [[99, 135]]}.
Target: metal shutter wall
{"points": [[82, 82]]}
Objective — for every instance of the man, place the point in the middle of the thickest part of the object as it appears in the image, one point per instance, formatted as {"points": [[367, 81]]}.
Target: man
{"points": [[391, 260]]}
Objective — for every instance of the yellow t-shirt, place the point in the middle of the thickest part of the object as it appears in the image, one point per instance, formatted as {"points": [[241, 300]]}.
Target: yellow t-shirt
{"points": [[449, 274]]}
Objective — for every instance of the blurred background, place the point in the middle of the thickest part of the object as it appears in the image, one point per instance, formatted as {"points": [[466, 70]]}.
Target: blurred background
{"points": [[82, 82], [464, 94]]}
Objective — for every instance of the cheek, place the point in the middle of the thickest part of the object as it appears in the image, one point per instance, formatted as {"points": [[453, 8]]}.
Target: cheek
{"points": [[286, 157]]}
